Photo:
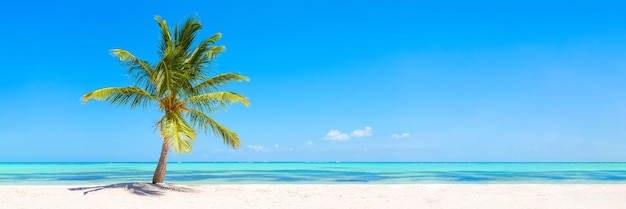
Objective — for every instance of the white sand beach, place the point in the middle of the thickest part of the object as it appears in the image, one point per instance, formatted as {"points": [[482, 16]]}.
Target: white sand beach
{"points": [[511, 196]]}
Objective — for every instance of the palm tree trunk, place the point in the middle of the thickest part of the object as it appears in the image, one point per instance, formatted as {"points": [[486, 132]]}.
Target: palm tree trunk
{"points": [[159, 173]]}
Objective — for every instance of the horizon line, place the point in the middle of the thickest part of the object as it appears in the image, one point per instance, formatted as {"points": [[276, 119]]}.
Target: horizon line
{"points": [[319, 162]]}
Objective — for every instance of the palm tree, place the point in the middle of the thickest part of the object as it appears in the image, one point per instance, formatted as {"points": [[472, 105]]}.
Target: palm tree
{"points": [[179, 84]]}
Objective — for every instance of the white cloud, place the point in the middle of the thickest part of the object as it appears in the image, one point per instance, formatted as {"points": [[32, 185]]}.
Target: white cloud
{"points": [[335, 135], [276, 146], [309, 143], [362, 132], [403, 135], [258, 147]]}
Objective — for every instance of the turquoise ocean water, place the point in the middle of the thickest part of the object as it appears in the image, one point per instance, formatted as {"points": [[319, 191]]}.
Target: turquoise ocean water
{"points": [[312, 173]]}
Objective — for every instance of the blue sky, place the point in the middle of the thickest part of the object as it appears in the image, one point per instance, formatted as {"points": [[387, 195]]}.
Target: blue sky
{"points": [[330, 81]]}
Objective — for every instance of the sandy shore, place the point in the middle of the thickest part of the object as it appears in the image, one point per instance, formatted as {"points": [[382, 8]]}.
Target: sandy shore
{"points": [[359, 196]]}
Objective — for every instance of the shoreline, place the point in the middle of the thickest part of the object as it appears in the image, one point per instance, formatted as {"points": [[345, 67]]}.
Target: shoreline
{"points": [[316, 173], [145, 195]]}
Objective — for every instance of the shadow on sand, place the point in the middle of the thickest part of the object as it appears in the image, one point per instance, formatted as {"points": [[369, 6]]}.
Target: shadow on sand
{"points": [[142, 189]]}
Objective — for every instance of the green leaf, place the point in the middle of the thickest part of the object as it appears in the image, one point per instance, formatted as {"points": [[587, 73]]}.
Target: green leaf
{"points": [[204, 122], [140, 70], [216, 100], [213, 83], [131, 96], [178, 134], [166, 38]]}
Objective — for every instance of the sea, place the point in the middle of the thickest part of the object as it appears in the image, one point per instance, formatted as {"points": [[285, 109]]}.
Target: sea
{"points": [[315, 173]]}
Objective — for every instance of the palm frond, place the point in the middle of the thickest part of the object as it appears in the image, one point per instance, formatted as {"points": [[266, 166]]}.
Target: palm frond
{"points": [[139, 69], [206, 56], [172, 73], [166, 37], [198, 60], [214, 101], [215, 51], [203, 53], [163, 77], [194, 66], [212, 83], [177, 132], [205, 123], [213, 39], [185, 35], [131, 96]]}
